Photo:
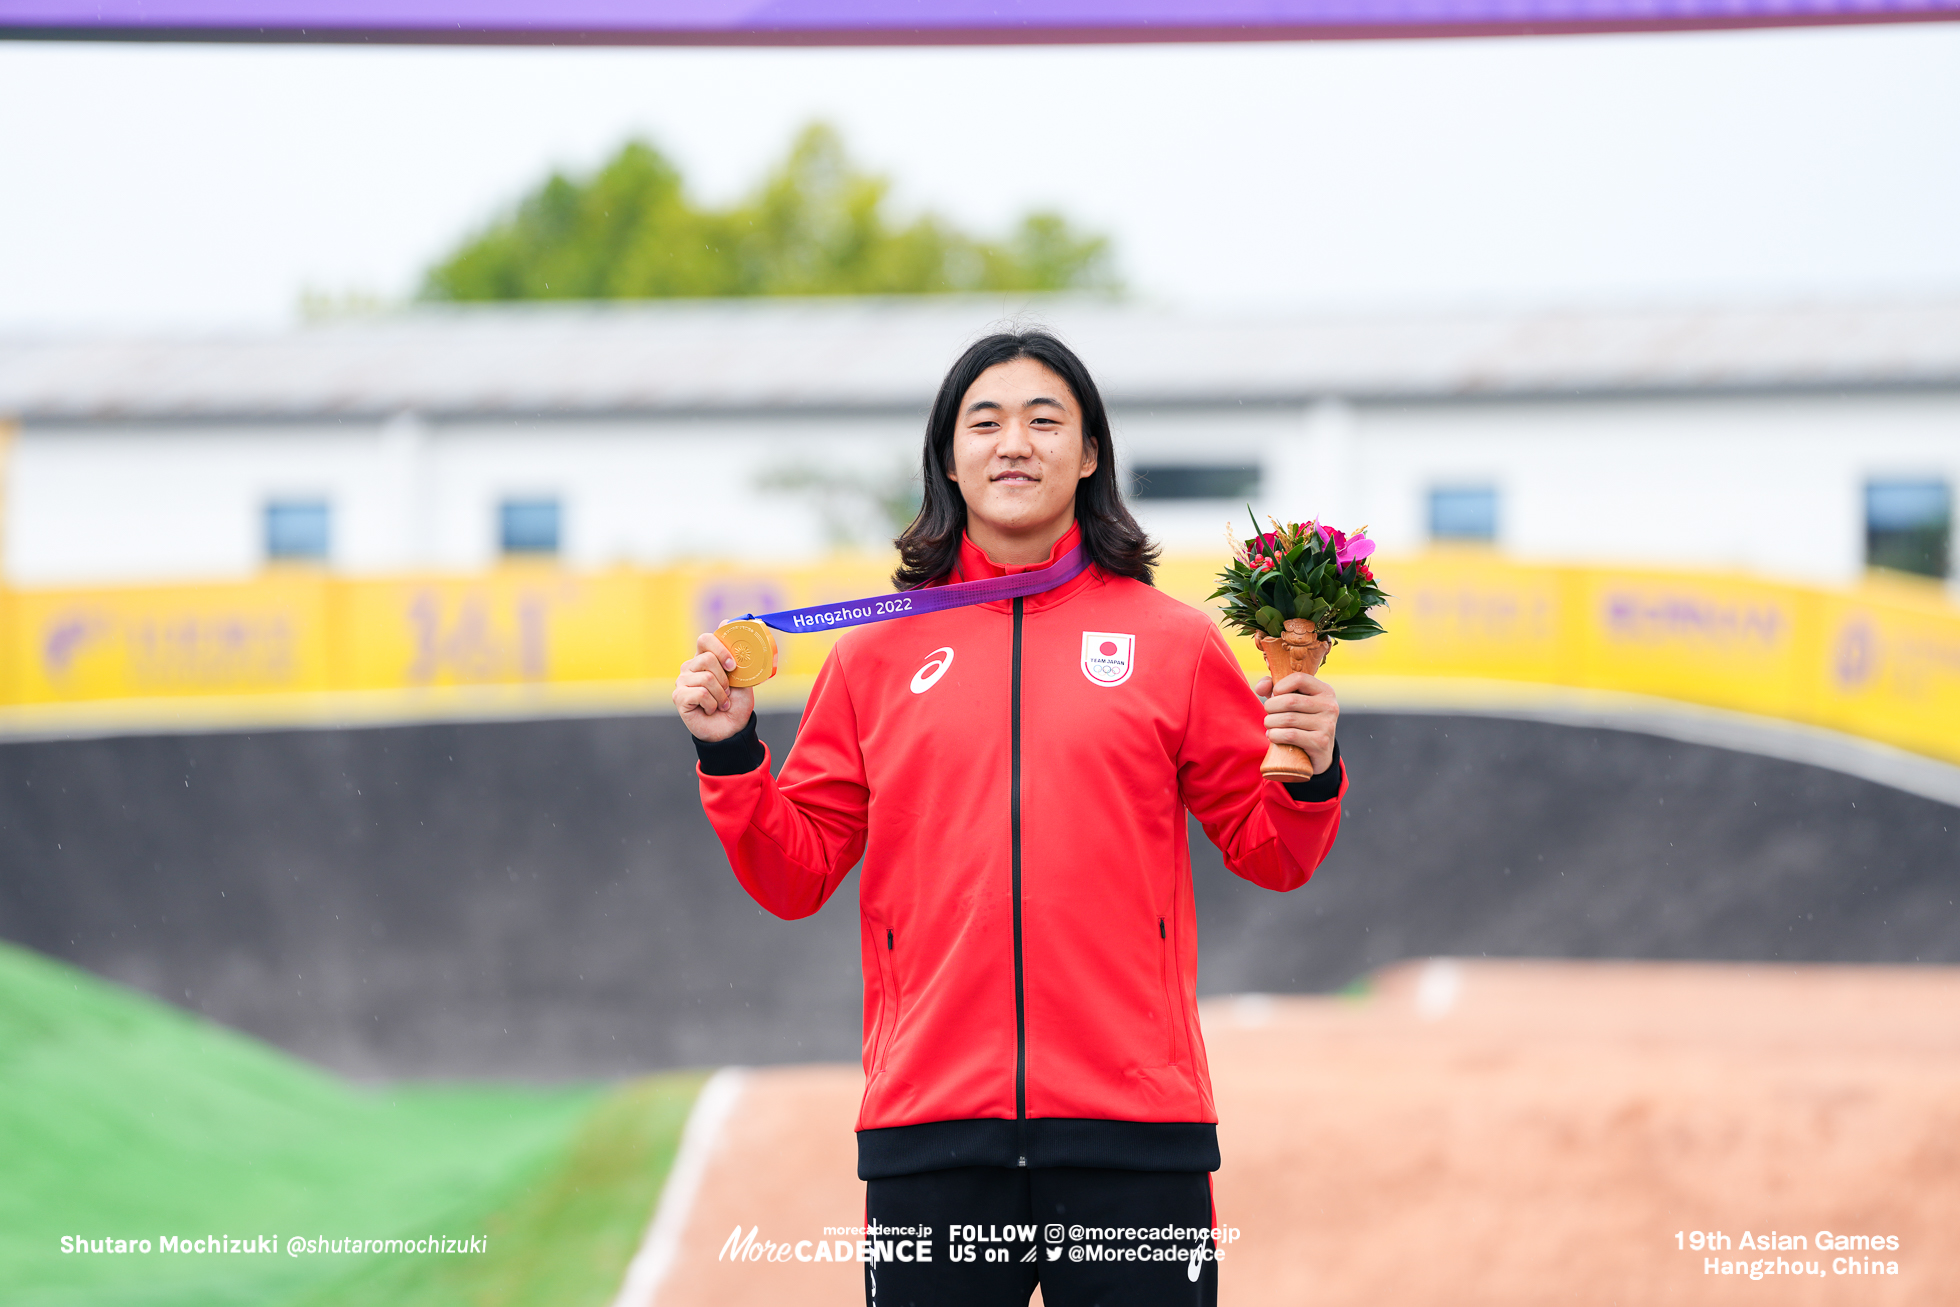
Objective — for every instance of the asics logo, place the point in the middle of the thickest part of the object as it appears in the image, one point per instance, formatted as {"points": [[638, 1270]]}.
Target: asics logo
{"points": [[928, 676]]}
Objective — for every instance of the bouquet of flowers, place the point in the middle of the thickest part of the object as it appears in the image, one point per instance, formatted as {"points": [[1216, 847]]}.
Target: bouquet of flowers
{"points": [[1313, 575], [1295, 590]]}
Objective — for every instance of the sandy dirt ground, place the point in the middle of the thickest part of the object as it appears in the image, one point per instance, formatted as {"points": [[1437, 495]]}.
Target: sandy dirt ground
{"points": [[1511, 1133]]}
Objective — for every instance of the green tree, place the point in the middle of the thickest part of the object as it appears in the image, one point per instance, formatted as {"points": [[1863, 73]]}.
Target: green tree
{"points": [[816, 226]]}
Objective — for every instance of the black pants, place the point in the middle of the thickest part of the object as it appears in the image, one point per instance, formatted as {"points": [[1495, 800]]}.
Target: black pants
{"points": [[1089, 1238]]}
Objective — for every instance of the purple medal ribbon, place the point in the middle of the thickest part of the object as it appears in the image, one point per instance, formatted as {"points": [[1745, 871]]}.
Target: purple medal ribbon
{"points": [[926, 599]]}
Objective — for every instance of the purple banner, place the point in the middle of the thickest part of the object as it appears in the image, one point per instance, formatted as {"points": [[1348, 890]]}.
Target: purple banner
{"points": [[907, 22]]}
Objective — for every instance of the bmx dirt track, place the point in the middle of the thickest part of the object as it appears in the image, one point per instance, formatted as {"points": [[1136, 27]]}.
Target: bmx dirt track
{"points": [[1501, 1133]]}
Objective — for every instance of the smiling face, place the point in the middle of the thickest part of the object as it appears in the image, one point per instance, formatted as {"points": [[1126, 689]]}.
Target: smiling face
{"points": [[1018, 452]]}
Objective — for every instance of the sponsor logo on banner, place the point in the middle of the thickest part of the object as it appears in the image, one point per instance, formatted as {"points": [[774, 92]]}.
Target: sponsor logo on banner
{"points": [[1107, 658]]}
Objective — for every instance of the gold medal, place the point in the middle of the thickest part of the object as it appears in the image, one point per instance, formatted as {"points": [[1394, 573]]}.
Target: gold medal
{"points": [[753, 647]]}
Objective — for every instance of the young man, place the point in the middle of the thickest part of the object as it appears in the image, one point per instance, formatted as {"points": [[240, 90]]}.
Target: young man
{"points": [[1015, 776]]}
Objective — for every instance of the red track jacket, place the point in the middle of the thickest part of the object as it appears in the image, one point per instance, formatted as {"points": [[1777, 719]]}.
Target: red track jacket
{"points": [[1015, 776]]}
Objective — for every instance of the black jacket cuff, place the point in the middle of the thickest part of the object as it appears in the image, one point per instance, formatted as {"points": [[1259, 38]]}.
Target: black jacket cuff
{"points": [[740, 753], [1324, 785]]}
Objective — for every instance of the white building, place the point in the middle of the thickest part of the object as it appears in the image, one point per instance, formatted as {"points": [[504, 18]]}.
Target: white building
{"points": [[1795, 442]]}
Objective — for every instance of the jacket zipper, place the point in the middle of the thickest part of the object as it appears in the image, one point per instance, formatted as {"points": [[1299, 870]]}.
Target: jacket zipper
{"points": [[887, 1003], [1020, 991], [1173, 1006]]}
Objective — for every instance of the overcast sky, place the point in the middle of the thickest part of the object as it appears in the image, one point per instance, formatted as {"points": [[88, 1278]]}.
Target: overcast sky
{"points": [[206, 186]]}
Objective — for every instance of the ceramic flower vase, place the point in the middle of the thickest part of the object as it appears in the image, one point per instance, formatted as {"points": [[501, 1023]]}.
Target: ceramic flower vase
{"points": [[1299, 649]]}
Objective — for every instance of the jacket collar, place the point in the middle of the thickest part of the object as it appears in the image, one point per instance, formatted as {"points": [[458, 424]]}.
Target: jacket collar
{"points": [[974, 565]]}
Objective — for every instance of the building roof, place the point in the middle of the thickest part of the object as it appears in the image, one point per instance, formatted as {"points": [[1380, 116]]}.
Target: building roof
{"points": [[790, 354]]}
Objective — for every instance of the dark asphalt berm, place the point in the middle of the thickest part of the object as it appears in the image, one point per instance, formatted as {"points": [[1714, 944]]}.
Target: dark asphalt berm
{"points": [[545, 899]]}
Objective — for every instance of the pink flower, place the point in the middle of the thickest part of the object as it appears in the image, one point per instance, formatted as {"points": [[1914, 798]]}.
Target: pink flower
{"points": [[1352, 551], [1262, 564]]}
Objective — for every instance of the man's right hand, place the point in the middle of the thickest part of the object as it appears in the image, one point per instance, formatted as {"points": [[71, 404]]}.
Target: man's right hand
{"points": [[710, 707]]}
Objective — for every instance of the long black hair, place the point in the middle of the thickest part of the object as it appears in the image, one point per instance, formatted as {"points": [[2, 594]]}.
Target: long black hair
{"points": [[929, 547]]}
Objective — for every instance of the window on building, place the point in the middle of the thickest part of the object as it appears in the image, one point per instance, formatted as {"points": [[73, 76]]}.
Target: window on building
{"points": [[298, 530], [1194, 481], [1467, 513], [1909, 526], [529, 526]]}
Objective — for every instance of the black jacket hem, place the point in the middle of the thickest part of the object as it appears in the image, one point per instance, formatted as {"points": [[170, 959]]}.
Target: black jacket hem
{"points": [[1040, 1142]]}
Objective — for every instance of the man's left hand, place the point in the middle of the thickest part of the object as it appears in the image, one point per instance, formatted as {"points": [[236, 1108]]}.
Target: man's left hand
{"points": [[1301, 711]]}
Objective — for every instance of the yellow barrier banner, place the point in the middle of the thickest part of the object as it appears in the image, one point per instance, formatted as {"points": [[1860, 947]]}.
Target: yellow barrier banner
{"points": [[1460, 616], [1727, 642], [168, 641], [1881, 661], [518, 625], [1888, 667]]}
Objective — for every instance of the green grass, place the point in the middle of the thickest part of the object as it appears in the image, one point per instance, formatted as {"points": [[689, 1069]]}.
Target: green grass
{"points": [[560, 1234], [124, 1117]]}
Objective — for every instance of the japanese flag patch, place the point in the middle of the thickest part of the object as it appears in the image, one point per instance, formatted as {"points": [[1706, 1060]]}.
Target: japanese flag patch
{"points": [[1107, 658]]}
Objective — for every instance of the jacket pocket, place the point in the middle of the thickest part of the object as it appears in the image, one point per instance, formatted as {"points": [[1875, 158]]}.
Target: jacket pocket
{"points": [[884, 943], [1173, 996]]}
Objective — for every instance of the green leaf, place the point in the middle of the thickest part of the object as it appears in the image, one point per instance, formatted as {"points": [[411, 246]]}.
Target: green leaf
{"points": [[1271, 621]]}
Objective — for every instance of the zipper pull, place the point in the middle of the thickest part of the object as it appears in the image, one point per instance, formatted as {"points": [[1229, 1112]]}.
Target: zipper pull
{"points": [[1160, 929], [888, 941]]}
